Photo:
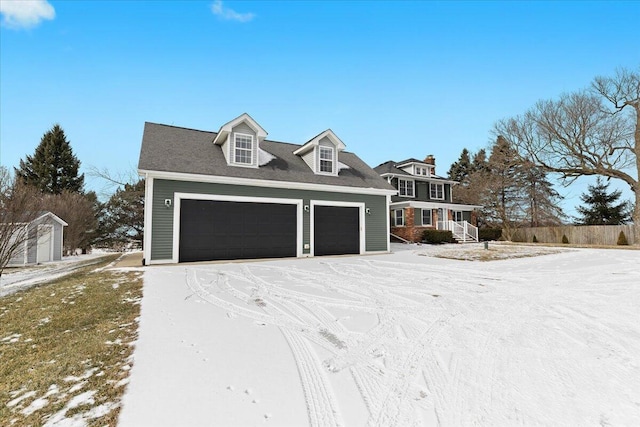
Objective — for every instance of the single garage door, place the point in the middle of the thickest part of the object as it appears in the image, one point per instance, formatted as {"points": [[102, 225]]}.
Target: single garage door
{"points": [[336, 230], [216, 230]]}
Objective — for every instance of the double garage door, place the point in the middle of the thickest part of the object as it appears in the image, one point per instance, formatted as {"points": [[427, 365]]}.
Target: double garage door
{"points": [[225, 230]]}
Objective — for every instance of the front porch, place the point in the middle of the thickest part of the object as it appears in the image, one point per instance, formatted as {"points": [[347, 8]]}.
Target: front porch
{"points": [[409, 220]]}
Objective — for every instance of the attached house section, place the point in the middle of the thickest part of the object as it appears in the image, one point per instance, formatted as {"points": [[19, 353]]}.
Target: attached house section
{"points": [[196, 221], [424, 201], [233, 194]]}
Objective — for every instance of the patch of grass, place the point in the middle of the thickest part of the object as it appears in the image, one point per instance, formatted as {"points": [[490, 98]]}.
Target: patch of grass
{"points": [[495, 253], [65, 348]]}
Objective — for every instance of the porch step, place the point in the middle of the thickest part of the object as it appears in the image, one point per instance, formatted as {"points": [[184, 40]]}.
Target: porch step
{"points": [[460, 239]]}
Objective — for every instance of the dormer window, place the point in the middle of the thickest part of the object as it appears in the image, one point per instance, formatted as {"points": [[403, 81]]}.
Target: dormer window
{"points": [[243, 149], [421, 170], [321, 153], [326, 160], [240, 141]]}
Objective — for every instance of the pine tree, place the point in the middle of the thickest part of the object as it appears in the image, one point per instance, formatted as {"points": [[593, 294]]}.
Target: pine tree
{"points": [[53, 167], [122, 220], [502, 196], [480, 161], [462, 168], [601, 208], [542, 200]]}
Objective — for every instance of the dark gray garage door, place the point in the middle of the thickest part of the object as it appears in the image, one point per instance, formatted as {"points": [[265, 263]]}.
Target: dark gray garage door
{"points": [[214, 230], [336, 230]]}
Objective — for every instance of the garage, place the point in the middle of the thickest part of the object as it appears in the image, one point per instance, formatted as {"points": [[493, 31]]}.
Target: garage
{"points": [[336, 230], [225, 230]]}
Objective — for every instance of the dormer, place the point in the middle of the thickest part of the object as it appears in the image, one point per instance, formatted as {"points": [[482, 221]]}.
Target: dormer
{"points": [[415, 167], [240, 141], [321, 153]]}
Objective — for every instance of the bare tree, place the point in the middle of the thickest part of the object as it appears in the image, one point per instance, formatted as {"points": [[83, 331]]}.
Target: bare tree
{"points": [[19, 206], [591, 132], [78, 211], [122, 218]]}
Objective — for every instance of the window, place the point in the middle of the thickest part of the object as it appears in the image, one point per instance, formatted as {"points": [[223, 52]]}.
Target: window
{"points": [[422, 171], [426, 217], [398, 217], [326, 159], [405, 187], [436, 191], [457, 216], [243, 149]]}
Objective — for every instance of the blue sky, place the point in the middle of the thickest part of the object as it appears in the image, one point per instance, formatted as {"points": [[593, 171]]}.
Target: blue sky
{"points": [[392, 79]]}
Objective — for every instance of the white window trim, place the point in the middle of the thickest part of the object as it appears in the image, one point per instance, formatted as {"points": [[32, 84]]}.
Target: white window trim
{"points": [[178, 197], [413, 187], [430, 217], [361, 211], [320, 160], [431, 191], [395, 218], [418, 170], [250, 150]]}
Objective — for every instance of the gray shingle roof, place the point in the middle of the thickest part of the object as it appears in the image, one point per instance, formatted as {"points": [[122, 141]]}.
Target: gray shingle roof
{"points": [[174, 149], [390, 167]]}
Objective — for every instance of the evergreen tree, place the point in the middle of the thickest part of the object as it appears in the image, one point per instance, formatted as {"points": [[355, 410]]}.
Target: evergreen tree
{"points": [[502, 197], [53, 168], [601, 208], [462, 168], [122, 219], [472, 177], [480, 161], [542, 200]]}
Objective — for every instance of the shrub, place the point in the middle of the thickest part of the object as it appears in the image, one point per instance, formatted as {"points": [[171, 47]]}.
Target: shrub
{"points": [[535, 239], [622, 239], [438, 236], [485, 234], [564, 239]]}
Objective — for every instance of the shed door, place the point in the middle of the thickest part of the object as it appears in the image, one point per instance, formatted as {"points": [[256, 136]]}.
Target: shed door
{"points": [[216, 230], [45, 242], [336, 230]]}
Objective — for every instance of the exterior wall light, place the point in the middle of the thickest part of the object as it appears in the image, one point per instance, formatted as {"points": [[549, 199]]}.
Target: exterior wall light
{"points": [[306, 208], [167, 202], [367, 211]]}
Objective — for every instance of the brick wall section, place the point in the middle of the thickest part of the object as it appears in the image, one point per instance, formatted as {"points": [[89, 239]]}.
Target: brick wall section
{"points": [[410, 231]]}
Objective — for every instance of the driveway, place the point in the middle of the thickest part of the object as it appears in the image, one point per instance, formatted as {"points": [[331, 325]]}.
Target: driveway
{"points": [[398, 339]]}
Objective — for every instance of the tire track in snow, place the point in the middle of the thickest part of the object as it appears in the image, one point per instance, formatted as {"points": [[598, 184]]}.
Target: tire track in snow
{"points": [[321, 404]]}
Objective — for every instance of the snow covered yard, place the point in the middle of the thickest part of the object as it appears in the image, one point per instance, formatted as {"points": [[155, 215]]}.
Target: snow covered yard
{"points": [[400, 339]]}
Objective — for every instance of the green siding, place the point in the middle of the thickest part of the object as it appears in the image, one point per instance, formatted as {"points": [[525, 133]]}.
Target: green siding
{"points": [[422, 192], [162, 231]]}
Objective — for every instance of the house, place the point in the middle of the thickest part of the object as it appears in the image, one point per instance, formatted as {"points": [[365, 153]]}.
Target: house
{"points": [[234, 194], [40, 240], [424, 201]]}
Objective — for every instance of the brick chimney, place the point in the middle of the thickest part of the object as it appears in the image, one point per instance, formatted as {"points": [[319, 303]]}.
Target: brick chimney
{"points": [[430, 160]]}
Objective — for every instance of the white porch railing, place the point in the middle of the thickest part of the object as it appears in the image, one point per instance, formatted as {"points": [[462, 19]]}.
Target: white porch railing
{"points": [[462, 230]]}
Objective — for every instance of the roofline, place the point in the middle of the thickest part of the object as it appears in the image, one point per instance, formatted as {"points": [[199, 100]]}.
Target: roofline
{"points": [[432, 205], [214, 133], [217, 179], [55, 217], [420, 178], [399, 165], [180, 127]]}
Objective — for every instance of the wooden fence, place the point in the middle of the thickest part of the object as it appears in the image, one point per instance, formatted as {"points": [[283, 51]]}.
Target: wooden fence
{"points": [[576, 234]]}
